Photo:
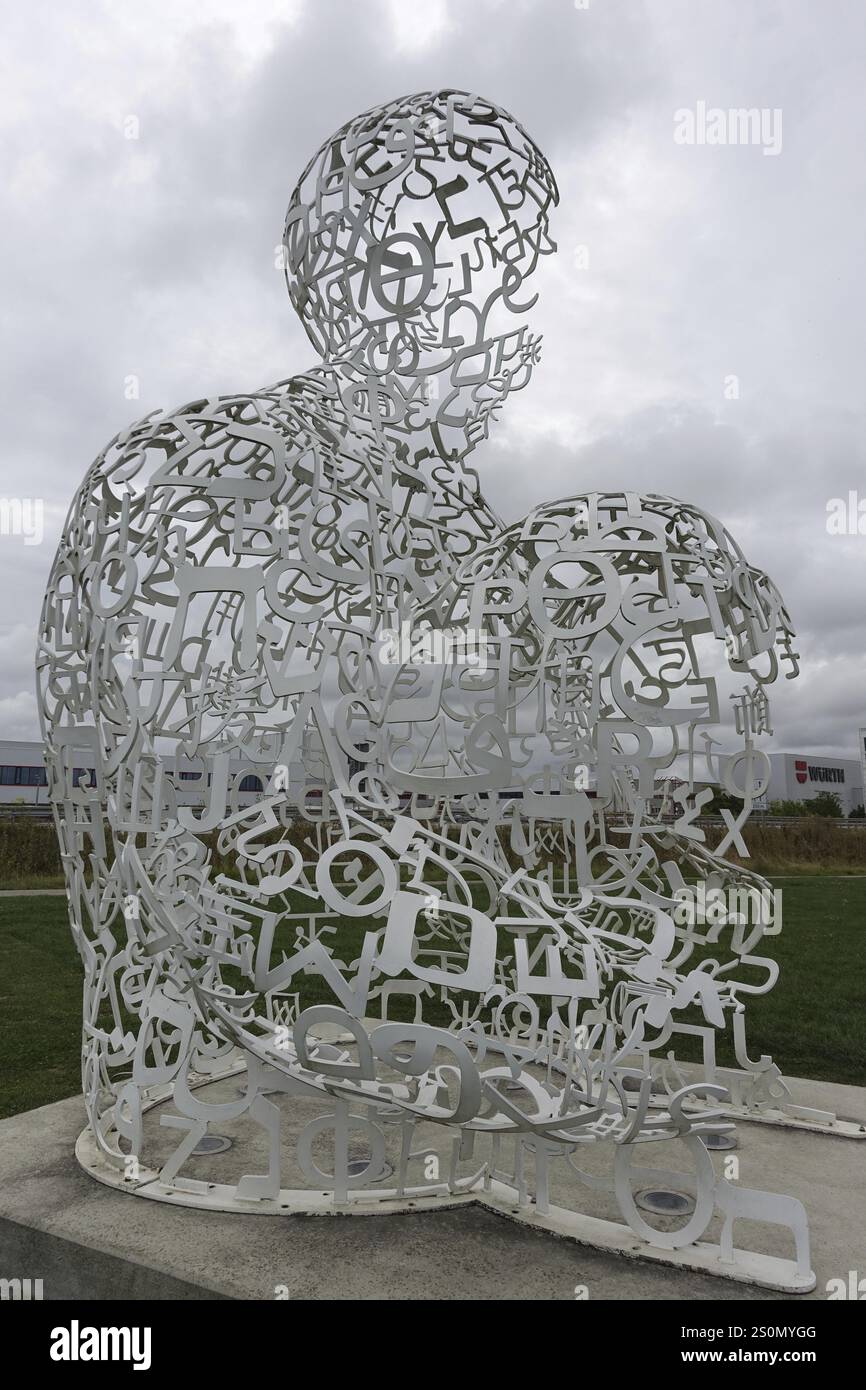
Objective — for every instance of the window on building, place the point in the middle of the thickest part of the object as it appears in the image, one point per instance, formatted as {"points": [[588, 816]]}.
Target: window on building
{"points": [[12, 776], [251, 783]]}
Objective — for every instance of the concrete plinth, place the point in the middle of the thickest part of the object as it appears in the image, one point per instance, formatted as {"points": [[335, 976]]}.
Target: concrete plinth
{"points": [[85, 1240]]}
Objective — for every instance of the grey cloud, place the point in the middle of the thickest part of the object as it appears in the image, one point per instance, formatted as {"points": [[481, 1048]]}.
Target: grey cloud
{"points": [[155, 258]]}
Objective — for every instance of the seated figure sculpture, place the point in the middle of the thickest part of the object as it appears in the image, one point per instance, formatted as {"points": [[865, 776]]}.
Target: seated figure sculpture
{"points": [[471, 951]]}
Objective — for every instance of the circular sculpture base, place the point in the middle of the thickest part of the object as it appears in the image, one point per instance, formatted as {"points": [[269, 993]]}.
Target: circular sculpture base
{"points": [[382, 1189]]}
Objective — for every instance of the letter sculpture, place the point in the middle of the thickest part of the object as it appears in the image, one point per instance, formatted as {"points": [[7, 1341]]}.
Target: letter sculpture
{"points": [[372, 856]]}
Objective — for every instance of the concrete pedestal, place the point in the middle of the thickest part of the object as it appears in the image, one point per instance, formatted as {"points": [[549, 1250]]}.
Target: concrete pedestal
{"points": [[85, 1240]]}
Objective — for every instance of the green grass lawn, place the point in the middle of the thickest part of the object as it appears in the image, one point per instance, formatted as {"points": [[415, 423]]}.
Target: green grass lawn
{"points": [[40, 1004], [813, 1023], [28, 883]]}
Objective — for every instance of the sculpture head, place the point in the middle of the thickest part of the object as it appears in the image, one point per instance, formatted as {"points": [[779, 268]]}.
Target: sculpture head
{"points": [[408, 241]]}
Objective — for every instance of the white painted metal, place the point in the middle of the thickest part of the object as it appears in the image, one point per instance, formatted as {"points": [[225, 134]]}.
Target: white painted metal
{"points": [[449, 934]]}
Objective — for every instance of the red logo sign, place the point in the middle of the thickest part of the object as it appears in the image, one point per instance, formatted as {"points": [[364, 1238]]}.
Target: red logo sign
{"points": [[800, 766]]}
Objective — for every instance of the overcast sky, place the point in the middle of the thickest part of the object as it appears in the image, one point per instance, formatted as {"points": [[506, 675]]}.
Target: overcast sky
{"points": [[704, 320]]}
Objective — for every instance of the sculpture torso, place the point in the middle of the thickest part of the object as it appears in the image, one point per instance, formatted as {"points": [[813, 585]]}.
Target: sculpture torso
{"points": [[230, 570]]}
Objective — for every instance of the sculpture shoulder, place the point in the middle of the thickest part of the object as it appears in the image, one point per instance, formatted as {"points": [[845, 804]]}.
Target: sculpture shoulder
{"points": [[208, 456]]}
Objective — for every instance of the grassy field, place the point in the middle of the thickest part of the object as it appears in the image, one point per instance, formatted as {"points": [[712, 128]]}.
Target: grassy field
{"points": [[40, 1004], [813, 1023], [29, 855]]}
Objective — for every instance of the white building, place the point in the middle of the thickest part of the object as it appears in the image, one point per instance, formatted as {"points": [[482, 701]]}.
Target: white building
{"points": [[22, 773], [23, 779], [800, 777]]}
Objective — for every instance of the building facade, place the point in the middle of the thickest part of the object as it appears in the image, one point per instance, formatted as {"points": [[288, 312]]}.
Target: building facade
{"points": [[23, 779], [800, 777], [22, 774]]}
